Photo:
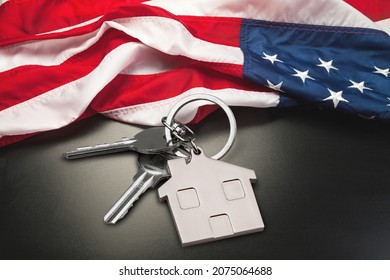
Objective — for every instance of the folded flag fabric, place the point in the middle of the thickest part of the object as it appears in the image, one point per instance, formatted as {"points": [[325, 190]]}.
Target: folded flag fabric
{"points": [[132, 60]]}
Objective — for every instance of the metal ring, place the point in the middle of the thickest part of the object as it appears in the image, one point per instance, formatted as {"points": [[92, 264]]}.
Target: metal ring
{"points": [[232, 121]]}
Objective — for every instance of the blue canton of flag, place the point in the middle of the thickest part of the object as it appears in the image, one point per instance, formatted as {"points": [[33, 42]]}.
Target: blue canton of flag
{"points": [[340, 68]]}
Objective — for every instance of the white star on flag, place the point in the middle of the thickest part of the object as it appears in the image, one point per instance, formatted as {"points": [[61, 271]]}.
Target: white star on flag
{"points": [[360, 86], [384, 72], [336, 97], [327, 65], [389, 100], [275, 87], [271, 58], [303, 75]]}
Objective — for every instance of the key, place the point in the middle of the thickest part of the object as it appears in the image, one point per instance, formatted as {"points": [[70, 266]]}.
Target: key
{"points": [[148, 141], [152, 170]]}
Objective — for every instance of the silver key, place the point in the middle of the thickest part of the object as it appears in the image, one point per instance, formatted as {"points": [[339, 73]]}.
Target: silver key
{"points": [[153, 169], [148, 141]]}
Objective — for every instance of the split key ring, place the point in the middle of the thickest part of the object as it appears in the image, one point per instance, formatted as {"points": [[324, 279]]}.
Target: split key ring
{"points": [[170, 120]]}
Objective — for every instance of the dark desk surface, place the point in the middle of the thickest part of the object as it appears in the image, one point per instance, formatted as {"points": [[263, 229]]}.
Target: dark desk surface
{"points": [[323, 189]]}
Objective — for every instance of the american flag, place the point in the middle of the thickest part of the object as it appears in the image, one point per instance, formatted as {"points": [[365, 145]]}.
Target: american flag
{"points": [[131, 60]]}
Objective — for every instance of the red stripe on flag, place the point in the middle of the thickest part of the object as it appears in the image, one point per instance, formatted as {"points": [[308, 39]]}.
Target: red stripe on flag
{"points": [[25, 18], [25, 21], [376, 10], [129, 90], [33, 17], [26, 82], [218, 30]]}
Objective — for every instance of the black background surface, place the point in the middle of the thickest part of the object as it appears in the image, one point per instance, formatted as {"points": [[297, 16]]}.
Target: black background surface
{"points": [[323, 189]]}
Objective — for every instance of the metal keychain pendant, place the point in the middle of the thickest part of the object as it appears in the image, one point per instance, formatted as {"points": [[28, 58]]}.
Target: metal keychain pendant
{"points": [[210, 199]]}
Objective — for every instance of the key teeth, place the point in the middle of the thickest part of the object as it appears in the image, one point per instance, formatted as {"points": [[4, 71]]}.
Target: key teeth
{"points": [[111, 219], [124, 213], [127, 210], [143, 182], [113, 222]]}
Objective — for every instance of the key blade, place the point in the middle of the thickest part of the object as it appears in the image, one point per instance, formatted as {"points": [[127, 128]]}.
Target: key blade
{"points": [[144, 181], [101, 149], [153, 169]]}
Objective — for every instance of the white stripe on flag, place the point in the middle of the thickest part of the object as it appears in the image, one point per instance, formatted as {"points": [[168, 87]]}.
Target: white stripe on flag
{"points": [[46, 112], [171, 37], [72, 27], [319, 12], [385, 25], [147, 60], [151, 113]]}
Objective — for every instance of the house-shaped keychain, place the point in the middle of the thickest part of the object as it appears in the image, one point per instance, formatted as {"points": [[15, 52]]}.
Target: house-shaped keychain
{"points": [[210, 199]]}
